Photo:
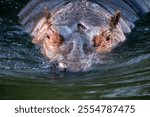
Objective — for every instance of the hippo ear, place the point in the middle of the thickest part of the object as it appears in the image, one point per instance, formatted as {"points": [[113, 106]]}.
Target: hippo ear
{"points": [[40, 30], [114, 20], [48, 14]]}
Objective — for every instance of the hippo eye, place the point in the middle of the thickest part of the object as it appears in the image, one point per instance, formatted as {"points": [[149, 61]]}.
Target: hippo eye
{"points": [[47, 36], [55, 39], [108, 38]]}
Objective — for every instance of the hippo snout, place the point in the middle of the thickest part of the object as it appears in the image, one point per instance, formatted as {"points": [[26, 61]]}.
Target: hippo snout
{"points": [[78, 42]]}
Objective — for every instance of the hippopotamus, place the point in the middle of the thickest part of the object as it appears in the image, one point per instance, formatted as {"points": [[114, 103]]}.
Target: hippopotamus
{"points": [[77, 33]]}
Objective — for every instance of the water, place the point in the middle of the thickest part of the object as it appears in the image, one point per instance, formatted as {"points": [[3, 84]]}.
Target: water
{"points": [[26, 74]]}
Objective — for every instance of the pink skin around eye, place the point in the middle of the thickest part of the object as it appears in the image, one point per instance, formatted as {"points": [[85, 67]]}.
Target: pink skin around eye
{"points": [[102, 43], [49, 39], [53, 41]]}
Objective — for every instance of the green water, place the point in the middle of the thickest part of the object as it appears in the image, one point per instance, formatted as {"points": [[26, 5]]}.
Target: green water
{"points": [[25, 74]]}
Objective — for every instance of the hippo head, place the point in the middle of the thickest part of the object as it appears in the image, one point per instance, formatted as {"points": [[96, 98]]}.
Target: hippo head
{"points": [[77, 33]]}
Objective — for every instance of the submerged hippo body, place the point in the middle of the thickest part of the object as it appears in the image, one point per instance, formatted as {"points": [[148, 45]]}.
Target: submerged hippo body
{"points": [[75, 33]]}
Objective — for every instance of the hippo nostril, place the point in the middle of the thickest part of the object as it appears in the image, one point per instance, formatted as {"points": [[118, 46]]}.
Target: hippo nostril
{"points": [[80, 27], [47, 36]]}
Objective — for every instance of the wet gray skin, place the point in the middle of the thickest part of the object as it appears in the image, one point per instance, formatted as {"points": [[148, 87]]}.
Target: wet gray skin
{"points": [[77, 34]]}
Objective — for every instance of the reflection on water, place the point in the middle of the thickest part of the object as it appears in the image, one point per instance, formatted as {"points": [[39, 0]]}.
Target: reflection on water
{"points": [[25, 74]]}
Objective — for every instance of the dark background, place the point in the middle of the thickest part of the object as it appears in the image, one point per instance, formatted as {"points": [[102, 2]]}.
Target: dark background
{"points": [[11, 7]]}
